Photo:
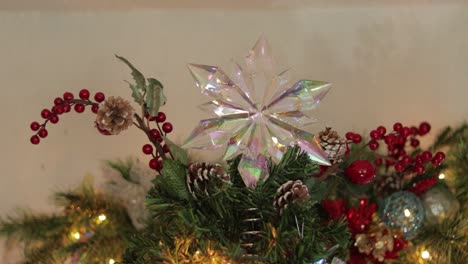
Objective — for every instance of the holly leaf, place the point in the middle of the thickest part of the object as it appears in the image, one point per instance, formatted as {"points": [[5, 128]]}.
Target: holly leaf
{"points": [[154, 96], [173, 179], [137, 97], [177, 152], [137, 75]]}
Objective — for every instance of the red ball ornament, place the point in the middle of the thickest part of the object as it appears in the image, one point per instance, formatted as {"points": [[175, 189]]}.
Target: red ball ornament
{"points": [[84, 94], [147, 149], [99, 97], [360, 172], [35, 126], [167, 127]]}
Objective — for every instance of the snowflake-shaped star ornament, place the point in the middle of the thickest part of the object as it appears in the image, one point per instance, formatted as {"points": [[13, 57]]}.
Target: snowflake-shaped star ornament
{"points": [[258, 113]]}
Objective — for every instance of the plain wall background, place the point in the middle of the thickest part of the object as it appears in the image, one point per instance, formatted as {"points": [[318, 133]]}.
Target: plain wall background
{"points": [[387, 63]]}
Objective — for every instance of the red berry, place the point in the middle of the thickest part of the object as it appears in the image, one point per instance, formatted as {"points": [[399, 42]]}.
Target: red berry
{"points": [[405, 132], [166, 148], [84, 94], [66, 108], [401, 152], [390, 147], [151, 118], [79, 108], [147, 149], [360, 172], [400, 140], [43, 133], [406, 160], [414, 131], [54, 119], [102, 131], [35, 140], [99, 97], [155, 164], [424, 128], [357, 138], [414, 143], [399, 167], [155, 133], [161, 117], [45, 113], [58, 109], [419, 169], [373, 145], [35, 126], [374, 134], [58, 101], [159, 139], [440, 155], [378, 162], [418, 159], [68, 96], [397, 127], [349, 135], [389, 139], [95, 108], [426, 156], [382, 130], [389, 162], [167, 127], [436, 162]]}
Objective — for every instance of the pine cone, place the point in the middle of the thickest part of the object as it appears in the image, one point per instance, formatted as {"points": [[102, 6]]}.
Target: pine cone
{"points": [[289, 192], [334, 145], [115, 115], [386, 184], [201, 177]]}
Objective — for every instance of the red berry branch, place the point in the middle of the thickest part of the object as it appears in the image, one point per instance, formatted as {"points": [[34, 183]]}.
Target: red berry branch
{"points": [[61, 106], [396, 141]]}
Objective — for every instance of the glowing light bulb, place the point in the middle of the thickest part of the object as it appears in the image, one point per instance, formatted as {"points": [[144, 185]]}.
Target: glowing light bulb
{"points": [[102, 217], [441, 176], [407, 213], [76, 235], [425, 254], [111, 261]]}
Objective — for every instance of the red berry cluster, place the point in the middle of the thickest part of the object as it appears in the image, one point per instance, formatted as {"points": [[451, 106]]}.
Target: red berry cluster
{"points": [[162, 129], [422, 186], [64, 105], [396, 142]]}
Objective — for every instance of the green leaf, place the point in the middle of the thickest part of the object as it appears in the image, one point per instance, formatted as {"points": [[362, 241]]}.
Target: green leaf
{"points": [[137, 75], [154, 96], [173, 179], [317, 188], [136, 94], [179, 153]]}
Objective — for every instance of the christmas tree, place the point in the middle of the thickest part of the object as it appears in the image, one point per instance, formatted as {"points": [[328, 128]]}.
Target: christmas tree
{"points": [[285, 194]]}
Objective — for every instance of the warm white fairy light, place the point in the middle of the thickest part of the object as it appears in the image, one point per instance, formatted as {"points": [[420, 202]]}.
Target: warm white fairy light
{"points": [[111, 261], [441, 176], [425, 254], [76, 235], [102, 217], [407, 213]]}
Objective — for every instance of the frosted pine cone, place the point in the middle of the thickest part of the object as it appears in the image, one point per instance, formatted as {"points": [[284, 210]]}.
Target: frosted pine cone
{"points": [[115, 115], [201, 177], [386, 184], [334, 145], [289, 192]]}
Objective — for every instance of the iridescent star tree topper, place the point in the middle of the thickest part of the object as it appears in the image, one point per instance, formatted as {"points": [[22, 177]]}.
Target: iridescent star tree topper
{"points": [[258, 113]]}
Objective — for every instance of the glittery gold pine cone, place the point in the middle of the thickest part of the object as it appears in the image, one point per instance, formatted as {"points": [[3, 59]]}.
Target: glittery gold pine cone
{"points": [[289, 192], [115, 115], [334, 145]]}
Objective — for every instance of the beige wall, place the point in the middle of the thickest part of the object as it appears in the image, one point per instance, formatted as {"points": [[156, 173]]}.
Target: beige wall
{"points": [[387, 62]]}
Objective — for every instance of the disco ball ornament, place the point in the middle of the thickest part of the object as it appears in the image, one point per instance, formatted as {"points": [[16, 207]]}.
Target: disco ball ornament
{"points": [[403, 211], [439, 204]]}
